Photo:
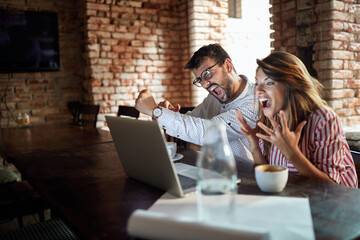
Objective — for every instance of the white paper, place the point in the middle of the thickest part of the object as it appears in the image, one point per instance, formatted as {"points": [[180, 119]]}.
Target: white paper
{"points": [[155, 225], [177, 218]]}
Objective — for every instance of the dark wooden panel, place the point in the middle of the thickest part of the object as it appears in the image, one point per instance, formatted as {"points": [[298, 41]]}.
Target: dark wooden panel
{"points": [[15, 141]]}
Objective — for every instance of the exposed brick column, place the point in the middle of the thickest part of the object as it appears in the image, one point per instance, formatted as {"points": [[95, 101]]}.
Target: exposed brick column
{"points": [[284, 25], [337, 57], [130, 45], [207, 24], [332, 29]]}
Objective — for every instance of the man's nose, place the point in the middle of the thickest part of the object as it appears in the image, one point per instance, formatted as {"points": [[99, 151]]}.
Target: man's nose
{"points": [[205, 83]]}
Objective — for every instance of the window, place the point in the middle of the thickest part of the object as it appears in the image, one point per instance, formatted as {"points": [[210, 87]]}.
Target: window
{"points": [[235, 9]]}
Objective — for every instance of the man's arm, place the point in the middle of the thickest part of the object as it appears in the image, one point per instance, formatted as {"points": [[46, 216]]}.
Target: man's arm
{"points": [[145, 102], [166, 104]]}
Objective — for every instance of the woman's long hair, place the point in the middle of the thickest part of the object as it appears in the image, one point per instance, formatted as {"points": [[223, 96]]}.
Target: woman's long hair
{"points": [[303, 92]]}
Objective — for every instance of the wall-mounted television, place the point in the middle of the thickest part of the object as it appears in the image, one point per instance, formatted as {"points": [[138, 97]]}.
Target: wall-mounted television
{"points": [[29, 41]]}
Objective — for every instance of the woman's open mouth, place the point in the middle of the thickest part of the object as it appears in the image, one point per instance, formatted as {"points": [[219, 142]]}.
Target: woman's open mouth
{"points": [[265, 103]]}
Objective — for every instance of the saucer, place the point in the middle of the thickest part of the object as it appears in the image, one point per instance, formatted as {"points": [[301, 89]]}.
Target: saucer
{"points": [[177, 157]]}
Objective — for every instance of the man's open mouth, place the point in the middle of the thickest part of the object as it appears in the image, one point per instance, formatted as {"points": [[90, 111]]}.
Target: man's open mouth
{"points": [[217, 91]]}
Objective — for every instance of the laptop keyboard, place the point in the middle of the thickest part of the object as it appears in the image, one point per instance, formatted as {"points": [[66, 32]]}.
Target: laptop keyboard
{"points": [[186, 182]]}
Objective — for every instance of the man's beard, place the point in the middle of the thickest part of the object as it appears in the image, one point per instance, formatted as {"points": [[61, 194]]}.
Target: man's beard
{"points": [[227, 91], [227, 94]]}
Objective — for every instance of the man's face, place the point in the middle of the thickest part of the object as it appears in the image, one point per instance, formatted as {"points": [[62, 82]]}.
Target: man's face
{"points": [[217, 80]]}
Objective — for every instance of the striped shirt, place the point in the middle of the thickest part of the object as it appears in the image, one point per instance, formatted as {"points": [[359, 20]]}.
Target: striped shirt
{"points": [[325, 145]]}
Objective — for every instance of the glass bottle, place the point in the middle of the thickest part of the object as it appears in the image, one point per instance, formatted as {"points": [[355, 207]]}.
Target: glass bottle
{"points": [[23, 120], [217, 175]]}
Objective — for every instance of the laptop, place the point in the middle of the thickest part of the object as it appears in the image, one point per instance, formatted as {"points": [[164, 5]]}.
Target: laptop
{"points": [[141, 148]]}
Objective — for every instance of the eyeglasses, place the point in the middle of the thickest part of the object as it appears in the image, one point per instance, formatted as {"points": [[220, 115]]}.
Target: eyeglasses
{"points": [[205, 75]]}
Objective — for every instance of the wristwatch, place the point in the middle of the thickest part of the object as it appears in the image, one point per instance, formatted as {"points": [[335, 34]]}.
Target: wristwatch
{"points": [[157, 112]]}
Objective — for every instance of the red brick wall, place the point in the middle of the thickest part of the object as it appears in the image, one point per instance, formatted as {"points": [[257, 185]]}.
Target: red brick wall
{"points": [[45, 94], [130, 45], [332, 29], [207, 24], [109, 50]]}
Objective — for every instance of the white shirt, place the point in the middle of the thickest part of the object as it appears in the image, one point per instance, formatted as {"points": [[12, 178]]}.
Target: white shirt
{"points": [[191, 127]]}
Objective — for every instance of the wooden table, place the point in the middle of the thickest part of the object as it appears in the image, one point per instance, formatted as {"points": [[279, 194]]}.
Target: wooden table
{"points": [[17, 141], [88, 187]]}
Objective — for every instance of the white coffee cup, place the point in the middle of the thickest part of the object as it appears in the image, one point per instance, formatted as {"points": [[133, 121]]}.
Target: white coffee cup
{"points": [[171, 148], [271, 178]]}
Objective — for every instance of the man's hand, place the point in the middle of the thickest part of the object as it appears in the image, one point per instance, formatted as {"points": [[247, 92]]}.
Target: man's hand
{"points": [[166, 104], [145, 103]]}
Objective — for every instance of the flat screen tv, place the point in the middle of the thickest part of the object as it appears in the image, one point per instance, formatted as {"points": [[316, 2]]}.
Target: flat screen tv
{"points": [[29, 41]]}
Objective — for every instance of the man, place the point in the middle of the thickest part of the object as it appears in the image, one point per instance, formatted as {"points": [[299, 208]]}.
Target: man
{"points": [[214, 71]]}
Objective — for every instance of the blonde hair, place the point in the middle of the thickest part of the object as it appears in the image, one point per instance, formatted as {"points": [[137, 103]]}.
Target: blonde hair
{"points": [[303, 92]]}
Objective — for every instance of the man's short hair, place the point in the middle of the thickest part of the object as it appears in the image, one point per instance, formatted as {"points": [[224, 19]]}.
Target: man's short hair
{"points": [[214, 51]]}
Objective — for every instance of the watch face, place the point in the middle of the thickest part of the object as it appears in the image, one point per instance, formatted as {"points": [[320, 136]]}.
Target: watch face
{"points": [[157, 112]]}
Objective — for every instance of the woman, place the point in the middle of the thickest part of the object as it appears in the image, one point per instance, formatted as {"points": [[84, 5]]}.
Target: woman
{"points": [[296, 128]]}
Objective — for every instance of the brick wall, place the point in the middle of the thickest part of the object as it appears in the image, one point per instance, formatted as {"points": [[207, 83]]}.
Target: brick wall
{"points": [[330, 31], [45, 94], [111, 49], [130, 45], [207, 24]]}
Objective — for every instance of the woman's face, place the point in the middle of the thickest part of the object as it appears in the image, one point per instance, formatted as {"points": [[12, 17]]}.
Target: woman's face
{"points": [[271, 94]]}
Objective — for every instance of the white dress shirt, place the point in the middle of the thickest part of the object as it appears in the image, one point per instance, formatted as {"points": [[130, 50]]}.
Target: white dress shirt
{"points": [[191, 127]]}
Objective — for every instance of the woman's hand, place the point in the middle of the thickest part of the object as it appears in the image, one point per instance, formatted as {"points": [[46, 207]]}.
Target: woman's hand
{"points": [[250, 134], [288, 143], [284, 139]]}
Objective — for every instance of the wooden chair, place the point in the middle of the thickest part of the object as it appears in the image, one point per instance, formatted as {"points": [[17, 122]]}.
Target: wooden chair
{"points": [[128, 111], [184, 110], [87, 115], [18, 198], [54, 229], [74, 108], [356, 157], [84, 114]]}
